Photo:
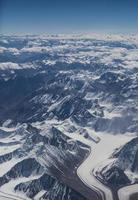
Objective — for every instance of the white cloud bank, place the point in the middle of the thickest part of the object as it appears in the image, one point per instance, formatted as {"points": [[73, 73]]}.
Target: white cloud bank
{"points": [[108, 49]]}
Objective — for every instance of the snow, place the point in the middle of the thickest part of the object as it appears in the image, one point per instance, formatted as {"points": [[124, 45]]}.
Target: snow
{"points": [[125, 192], [110, 115], [7, 122], [93, 135], [73, 48], [131, 175], [49, 62], [99, 153], [63, 126], [8, 149], [40, 194], [6, 196], [7, 129], [9, 187], [9, 65], [2, 197], [6, 166], [78, 50]]}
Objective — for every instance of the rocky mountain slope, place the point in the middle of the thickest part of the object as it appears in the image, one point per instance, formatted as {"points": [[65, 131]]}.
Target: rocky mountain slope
{"points": [[124, 169], [31, 161]]}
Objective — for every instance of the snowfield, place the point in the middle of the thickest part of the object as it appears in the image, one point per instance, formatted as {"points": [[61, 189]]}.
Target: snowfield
{"points": [[6, 196], [100, 152], [125, 192]]}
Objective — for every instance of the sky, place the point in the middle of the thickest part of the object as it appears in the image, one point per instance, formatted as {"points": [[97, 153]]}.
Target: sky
{"points": [[68, 16]]}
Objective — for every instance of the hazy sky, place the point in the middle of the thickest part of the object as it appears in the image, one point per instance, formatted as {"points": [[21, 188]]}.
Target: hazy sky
{"points": [[59, 16]]}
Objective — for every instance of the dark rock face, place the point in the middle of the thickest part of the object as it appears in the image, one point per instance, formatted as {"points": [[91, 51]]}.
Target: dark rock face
{"points": [[24, 168], [134, 196], [39, 152], [135, 163], [126, 160], [63, 192], [31, 188], [9, 156], [128, 155], [54, 189], [115, 177]]}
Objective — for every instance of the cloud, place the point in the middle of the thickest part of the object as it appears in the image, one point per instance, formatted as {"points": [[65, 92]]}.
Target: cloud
{"points": [[9, 65], [110, 50], [15, 66], [2, 49]]}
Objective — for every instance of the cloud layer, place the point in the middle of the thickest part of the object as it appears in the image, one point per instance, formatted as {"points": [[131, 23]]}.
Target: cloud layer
{"points": [[110, 50]]}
